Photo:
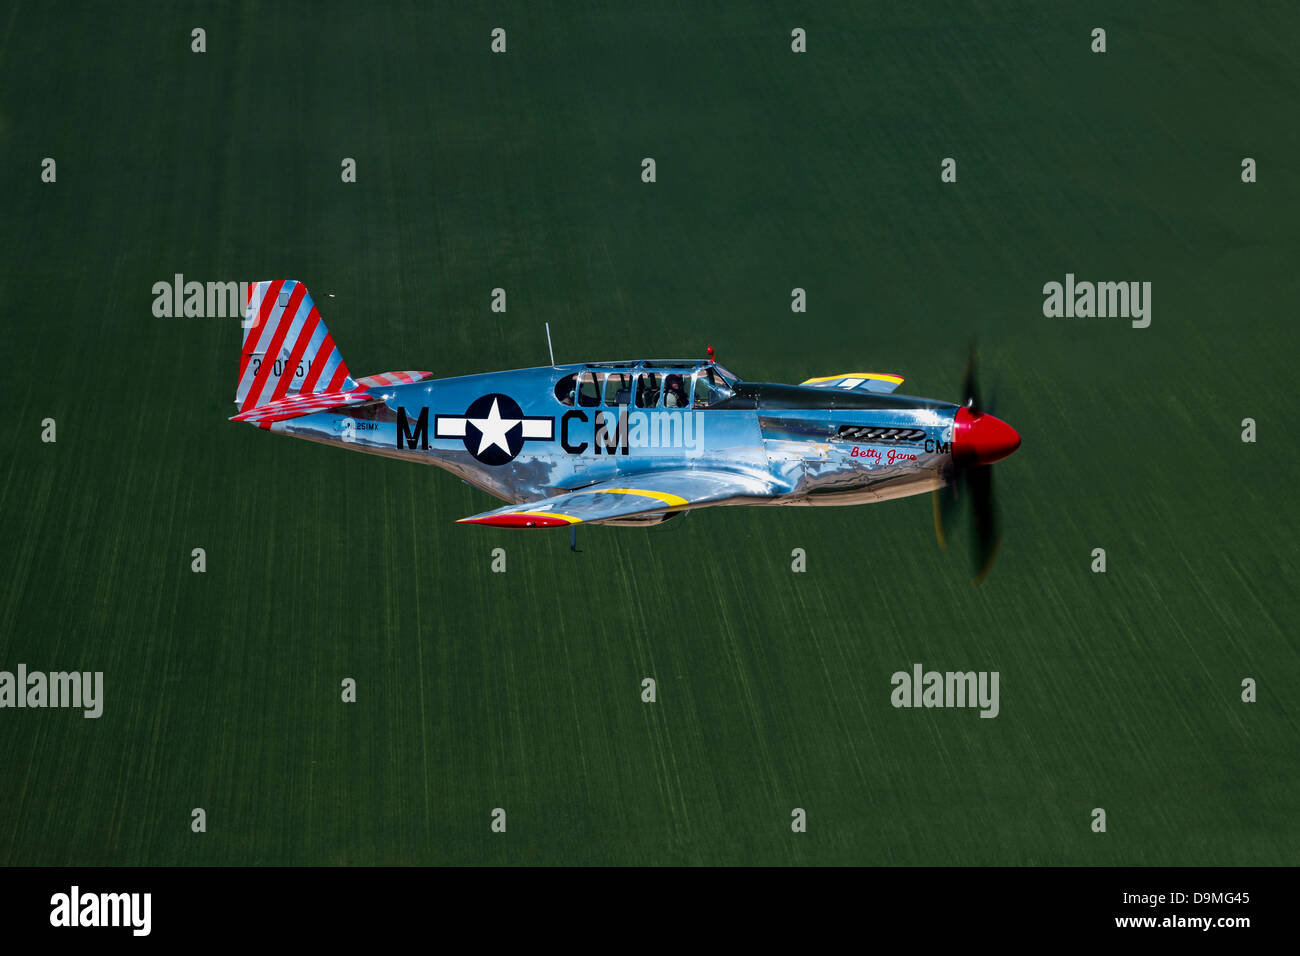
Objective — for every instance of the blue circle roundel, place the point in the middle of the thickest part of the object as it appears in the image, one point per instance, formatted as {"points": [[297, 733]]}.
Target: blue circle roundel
{"points": [[494, 428]]}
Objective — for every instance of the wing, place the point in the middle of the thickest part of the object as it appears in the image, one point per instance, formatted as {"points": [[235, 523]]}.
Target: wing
{"points": [[657, 492], [881, 382]]}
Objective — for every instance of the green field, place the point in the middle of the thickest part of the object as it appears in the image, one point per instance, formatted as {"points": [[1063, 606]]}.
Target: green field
{"points": [[521, 690]]}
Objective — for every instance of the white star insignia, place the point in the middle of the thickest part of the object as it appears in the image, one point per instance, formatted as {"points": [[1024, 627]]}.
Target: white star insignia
{"points": [[493, 429]]}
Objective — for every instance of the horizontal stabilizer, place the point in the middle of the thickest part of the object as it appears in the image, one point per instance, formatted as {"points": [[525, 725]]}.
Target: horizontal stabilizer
{"points": [[381, 379], [300, 405]]}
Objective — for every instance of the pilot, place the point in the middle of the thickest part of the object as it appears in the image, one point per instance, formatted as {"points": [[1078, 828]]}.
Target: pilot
{"points": [[564, 390], [622, 387], [647, 390], [674, 394]]}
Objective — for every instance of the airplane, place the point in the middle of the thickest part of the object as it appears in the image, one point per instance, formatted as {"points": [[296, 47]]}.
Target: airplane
{"points": [[626, 442]]}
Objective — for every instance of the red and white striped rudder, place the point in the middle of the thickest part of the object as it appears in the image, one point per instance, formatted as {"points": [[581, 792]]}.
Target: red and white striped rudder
{"points": [[287, 349]]}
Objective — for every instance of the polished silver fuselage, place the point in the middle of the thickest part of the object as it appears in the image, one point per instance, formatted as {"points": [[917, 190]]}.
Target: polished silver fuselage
{"points": [[811, 446]]}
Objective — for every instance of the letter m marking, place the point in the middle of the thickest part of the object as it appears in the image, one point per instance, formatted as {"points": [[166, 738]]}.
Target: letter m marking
{"points": [[407, 438]]}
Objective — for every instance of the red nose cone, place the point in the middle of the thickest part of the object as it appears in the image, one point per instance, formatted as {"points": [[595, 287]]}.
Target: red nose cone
{"points": [[982, 439]]}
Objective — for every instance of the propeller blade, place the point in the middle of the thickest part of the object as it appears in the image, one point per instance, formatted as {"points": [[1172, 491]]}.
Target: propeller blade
{"points": [[937, 497], [973, 482], [969, 388], [946, 502], [988, 535]]}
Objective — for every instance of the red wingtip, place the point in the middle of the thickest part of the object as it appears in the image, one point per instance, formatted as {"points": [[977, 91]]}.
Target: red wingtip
{"points": [[517, 521]]}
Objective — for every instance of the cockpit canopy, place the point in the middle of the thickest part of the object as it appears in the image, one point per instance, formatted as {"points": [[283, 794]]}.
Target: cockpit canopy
{"points": [[655, 384]]}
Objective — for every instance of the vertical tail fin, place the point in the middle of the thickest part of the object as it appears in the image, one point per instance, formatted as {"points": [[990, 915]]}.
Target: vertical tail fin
{"points": [[287, 349]]}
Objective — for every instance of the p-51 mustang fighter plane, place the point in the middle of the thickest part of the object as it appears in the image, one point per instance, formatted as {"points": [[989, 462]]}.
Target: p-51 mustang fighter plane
{"points": [[634, 442]]}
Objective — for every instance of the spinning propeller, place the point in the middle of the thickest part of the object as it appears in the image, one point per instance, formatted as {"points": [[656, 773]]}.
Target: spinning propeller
{"points": [[978, 440]]}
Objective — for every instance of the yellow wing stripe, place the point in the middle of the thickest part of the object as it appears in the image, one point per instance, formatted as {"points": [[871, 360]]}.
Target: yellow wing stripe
{"points": [[672, 500], [877, 376]]}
